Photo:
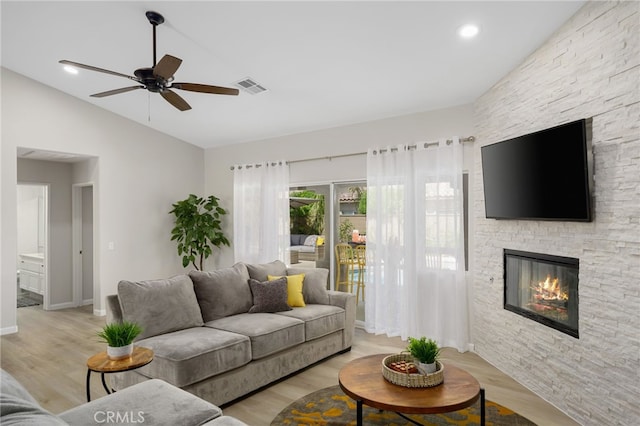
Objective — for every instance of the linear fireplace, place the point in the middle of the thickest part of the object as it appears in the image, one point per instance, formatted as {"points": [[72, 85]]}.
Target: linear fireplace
{"points": [[543, 288]]}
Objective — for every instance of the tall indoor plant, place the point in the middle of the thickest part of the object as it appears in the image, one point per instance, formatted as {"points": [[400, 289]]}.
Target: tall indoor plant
{"points": [[198, 228]]}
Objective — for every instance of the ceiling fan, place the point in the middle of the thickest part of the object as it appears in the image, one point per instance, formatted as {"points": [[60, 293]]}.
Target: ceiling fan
{"points": [[159, 78]]}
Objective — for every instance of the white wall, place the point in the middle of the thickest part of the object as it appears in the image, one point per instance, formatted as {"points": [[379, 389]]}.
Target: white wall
{"points": [[426, 126], [140, 173], [589, 68]]}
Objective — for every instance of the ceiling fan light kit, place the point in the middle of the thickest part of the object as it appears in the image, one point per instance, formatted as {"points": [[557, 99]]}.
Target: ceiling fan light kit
{"points": [[158, 78]]}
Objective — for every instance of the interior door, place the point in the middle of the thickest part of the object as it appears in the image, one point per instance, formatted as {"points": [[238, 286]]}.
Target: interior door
{"points": [[87, 245]]}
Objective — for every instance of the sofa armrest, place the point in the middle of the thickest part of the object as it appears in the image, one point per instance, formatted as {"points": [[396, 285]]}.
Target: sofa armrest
{"points": [[152, 402], [114, 311], [346, 301]]}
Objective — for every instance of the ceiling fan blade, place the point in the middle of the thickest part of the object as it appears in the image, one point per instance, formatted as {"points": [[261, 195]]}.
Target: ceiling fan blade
{"points": [[205, 88], [92, 68], [174, 99], [116, 91], [167, 67]]}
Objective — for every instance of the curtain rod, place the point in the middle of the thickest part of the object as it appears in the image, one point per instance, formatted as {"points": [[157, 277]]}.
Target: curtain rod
{"points": [[354, 154]]}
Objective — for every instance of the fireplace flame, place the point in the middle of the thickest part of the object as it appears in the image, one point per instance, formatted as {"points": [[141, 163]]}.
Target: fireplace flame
{"points": [[550, 289]]}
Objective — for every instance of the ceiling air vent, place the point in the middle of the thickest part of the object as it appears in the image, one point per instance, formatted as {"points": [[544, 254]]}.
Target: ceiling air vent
{"points": [[249, 85]]}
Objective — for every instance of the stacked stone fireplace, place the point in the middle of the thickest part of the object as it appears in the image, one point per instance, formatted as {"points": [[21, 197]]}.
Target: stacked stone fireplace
{"points": [[543, 288]]}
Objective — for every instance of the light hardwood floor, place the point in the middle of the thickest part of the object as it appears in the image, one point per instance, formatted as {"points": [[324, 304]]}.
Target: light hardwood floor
{"points": [[48, 356]]}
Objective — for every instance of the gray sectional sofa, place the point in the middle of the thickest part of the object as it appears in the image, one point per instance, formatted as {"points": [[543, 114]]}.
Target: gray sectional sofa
{"points": [[213, 337]]}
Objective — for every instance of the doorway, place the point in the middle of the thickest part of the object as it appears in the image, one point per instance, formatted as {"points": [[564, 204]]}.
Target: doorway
{"points": [[32, 250], [83, 253]]}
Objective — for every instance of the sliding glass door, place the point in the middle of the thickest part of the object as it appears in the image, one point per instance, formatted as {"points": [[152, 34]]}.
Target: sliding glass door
{"points": [[350, 228], [309, 216], [323, 216]]}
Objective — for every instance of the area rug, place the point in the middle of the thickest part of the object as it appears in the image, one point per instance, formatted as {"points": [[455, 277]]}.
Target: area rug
{"points": [[330, 406], [24, 301]]}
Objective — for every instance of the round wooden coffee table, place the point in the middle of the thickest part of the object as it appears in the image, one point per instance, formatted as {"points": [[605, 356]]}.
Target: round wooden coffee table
{"points": [[100, 363], [362, 380]]}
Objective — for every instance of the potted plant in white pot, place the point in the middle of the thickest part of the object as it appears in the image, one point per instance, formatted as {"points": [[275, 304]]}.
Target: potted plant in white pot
{"points": [[119, 338], [426, 353]]}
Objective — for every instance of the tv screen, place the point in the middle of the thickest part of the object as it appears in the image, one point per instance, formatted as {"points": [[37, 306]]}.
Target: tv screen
{"points": [[544, 175]]}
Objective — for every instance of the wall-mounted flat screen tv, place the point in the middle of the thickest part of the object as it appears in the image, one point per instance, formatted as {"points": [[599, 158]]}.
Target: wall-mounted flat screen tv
{"points": [[544, 175]]}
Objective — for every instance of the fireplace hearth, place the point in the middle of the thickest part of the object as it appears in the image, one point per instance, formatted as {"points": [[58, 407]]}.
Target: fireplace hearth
{"points": [[543, 288]]}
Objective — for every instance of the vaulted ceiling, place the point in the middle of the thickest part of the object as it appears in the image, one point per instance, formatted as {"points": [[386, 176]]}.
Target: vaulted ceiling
{"points": [[324, 64]]}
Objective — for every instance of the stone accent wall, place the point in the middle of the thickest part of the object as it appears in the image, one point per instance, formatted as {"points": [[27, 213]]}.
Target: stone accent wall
{"points": [[589, 68]]}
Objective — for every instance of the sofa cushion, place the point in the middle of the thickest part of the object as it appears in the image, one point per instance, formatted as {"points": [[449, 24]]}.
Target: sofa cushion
{"points": [[294, 289], [18, 407], [222, 292], [260, 271], [314, 288], [319, 320], [269, 296], [189, 356], [269, 333], [297, 239], [152, 402], [160, 306]]}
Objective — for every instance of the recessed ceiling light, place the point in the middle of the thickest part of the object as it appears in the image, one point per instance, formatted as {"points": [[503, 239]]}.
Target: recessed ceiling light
{"points": [[70, 69], [468, 31]]}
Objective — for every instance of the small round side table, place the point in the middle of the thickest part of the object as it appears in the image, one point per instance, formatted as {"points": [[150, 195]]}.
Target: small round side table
{"points": [[100, 363]]}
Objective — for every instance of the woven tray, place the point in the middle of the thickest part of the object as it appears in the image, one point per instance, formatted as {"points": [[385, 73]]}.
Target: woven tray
{"points": [[411, 380]]}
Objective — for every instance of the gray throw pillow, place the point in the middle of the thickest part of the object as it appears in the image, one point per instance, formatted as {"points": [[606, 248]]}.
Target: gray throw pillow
{"points": [[314, 288], [223, 292], [260, 271], [160, 306], [269, 296]]}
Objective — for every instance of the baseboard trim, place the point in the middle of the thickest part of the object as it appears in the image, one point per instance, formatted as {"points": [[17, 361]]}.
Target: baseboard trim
{"points": [[58, 306], [8, 330], [100, 312]]}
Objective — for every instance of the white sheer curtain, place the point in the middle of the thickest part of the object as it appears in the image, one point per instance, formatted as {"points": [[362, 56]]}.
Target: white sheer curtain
{"points": [[415, 244], [261, 212]]}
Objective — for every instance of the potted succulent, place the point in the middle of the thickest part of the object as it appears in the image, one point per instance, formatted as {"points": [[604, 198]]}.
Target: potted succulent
{"points": [[426, 352], [119, 338]]}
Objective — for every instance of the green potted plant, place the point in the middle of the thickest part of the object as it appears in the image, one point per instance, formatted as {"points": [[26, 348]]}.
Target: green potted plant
{"points": [[426, 352], [198, 228], [119, 338], [345, 230]]}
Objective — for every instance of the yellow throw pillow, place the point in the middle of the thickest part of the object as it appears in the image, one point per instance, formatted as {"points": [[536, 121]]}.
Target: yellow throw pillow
{"points": [[320, 241], [294, 289]]}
